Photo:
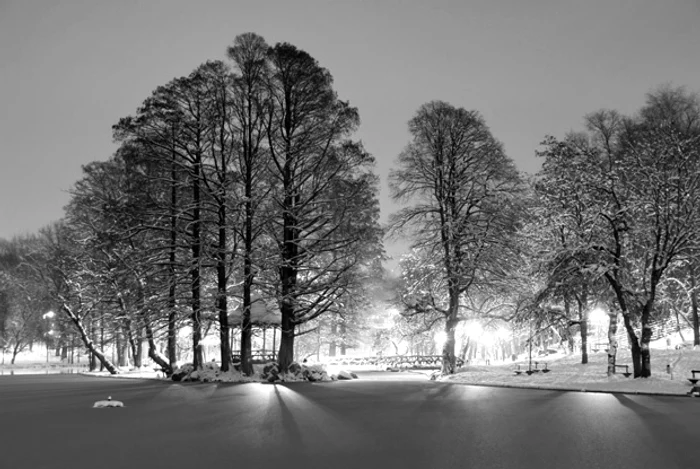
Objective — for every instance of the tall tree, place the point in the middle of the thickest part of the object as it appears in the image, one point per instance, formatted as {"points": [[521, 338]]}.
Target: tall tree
{"points": [[462, 186], [325, 194], [179, 123], [251, 106]]}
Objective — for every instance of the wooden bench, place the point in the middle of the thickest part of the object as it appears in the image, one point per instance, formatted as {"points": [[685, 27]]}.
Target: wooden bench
{"points": [[694, 380], [599, 346], [627, 373], [529, 371]]}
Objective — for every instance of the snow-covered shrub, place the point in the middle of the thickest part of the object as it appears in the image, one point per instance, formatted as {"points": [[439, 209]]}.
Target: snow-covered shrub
{"points": [[315, 373], [270, 372], [295, 372], [183, 373], [208, 372]]}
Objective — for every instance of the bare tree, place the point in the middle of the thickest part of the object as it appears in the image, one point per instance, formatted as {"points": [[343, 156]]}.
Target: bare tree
{"points": [[250, 106], [326, 211], [640, 180], [462, 186]]}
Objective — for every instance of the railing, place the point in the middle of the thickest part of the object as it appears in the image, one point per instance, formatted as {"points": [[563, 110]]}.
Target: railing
{"points": [[394, 361], [257, 356], [397, 361]]}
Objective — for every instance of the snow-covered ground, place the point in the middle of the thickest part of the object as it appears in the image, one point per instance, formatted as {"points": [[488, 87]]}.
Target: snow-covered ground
{"points": [[568, 373]]}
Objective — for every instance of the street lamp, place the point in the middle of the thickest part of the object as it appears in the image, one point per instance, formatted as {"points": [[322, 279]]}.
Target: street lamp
{"points": [[47, 317], [598, 317]]}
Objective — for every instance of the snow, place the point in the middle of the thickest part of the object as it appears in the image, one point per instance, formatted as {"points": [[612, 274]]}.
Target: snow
{"points": [[567, 373], [210, 372], [108, 403]]}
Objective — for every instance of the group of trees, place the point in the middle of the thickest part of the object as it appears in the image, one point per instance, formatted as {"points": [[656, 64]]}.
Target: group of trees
{"points": [[238, 181], [610, 221], [622, 205], [242, 182]]}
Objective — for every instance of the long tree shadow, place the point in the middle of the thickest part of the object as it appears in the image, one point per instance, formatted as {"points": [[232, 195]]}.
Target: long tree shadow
{"points": [[665, 431], [289, 423]]}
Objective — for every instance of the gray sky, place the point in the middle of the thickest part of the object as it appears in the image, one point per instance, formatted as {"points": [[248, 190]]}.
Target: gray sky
{"points": [[70, 69]]}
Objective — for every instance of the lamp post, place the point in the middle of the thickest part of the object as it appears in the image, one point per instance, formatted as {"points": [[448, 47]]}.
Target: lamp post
{"points": [[47, 317], [598, 317]]}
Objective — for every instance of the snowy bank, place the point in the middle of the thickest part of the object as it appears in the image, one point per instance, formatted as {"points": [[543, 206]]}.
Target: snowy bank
{"points": [[567, 373]]}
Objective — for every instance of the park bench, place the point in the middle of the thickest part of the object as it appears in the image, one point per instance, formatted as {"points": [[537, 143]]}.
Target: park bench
{"points": [[600, 346], [529, 371], [159, 370], [627, 373], [695, 390]]}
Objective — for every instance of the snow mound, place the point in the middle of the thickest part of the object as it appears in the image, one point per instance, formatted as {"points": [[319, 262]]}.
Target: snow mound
{"points": [[183, 373], [210, 372], [270, 372], [108, 403], [296, 372], [343, 374]]}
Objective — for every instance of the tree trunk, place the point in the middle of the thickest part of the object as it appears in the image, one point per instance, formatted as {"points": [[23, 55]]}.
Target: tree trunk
{"points": [[584, 340], [286, 351], [121, 349], [342, 331], [138, 355], [645, 352], [289, 268], [463, 351], [224, 330], [612, 342], [88, 342], [195, 270], [449, 361], [634, 346], [221, 295], [172, 340], [131, 341], [246, 325], [332, 346], [102, 342], [15, 351], [172, 290], [583, 325], [197, 359], [155, 355], [694, 308]]}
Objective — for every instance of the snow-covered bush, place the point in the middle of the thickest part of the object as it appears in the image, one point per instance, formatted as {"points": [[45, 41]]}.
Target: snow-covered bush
{"points": [[270, 372], [208, 372], [316, 373], [183, 373]]}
